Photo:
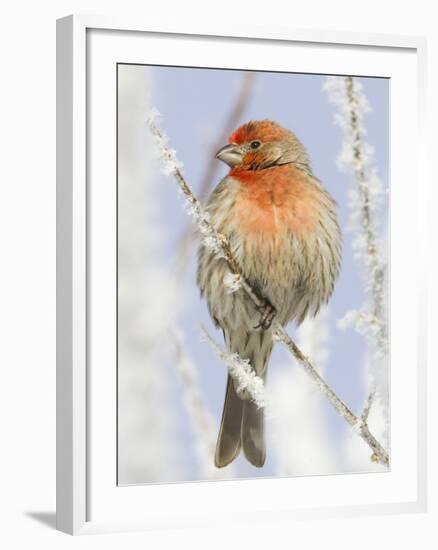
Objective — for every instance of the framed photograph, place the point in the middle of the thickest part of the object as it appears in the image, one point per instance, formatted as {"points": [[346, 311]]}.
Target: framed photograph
{"points": [[233, 202]]}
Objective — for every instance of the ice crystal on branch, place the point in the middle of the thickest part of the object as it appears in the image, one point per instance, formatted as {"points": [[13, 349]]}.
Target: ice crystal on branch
{"points": [[241, 372], [170, 164], [232, 282], [173, 167]]}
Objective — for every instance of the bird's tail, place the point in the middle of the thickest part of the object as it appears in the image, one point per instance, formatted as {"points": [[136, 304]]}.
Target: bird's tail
{"points": [[243, 423], [228, 442], [253, 434]]}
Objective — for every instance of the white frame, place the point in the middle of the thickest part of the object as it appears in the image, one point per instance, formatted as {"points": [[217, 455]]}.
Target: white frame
{"points": [[72, 260]]}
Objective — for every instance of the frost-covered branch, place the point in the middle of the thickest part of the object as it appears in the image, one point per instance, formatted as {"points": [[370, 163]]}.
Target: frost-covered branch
{"points": [[241, 372], [366, 412], [365, 198], [357, 157], [281, 335], [220, 246]]}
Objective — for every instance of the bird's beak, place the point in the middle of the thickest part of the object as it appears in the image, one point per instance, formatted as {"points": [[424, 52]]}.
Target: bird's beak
{"points": [[230, 154]]}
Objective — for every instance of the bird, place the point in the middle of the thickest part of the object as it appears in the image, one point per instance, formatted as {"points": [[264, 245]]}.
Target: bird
{"points": [[283, 230]]}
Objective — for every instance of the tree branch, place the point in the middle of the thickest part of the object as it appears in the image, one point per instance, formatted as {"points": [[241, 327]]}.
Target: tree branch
{"points": [[376, 270], [219, 245], [242, 373], [357, 157]]}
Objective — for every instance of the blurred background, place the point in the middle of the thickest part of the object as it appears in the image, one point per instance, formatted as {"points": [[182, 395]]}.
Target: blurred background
{"points": [[170, 383]]}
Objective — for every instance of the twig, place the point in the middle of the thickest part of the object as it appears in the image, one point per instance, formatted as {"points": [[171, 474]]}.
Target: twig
{"points": [[366, 412], [220, 246], [358, 157], [356, 422], [375, 268]]}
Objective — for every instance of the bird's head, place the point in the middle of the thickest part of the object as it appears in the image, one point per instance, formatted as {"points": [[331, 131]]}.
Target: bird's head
{"points": [[261, 144]]}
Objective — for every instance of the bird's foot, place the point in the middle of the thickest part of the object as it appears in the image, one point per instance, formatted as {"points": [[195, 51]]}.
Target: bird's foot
{"points": [[268, 312]]}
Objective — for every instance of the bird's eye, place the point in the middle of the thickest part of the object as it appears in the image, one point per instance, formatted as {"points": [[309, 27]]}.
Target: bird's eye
{"points": [[255, 144]]}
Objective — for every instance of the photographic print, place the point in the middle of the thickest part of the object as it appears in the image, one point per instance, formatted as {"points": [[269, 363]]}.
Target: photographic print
{"points": [[252, 274]]}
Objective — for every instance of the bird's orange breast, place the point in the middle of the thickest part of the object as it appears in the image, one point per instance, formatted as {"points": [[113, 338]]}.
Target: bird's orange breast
{"points": [[274, 200]]}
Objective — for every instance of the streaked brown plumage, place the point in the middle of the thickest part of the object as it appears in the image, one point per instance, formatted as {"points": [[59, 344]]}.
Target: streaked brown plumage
{"points": [[283, 230]]}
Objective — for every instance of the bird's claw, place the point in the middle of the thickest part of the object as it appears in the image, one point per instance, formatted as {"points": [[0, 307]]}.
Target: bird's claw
{"points": [[268, 313]]}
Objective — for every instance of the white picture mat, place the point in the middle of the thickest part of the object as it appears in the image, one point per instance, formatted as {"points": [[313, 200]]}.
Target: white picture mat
{"points": [[200, 503]]}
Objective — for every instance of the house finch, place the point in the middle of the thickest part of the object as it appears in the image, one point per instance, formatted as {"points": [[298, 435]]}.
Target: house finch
{"points": [[283, 231]]}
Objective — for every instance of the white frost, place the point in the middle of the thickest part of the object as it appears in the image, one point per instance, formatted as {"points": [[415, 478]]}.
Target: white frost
{"points": [[172, 167], [365, 198], [241, 372], [232, 282]]}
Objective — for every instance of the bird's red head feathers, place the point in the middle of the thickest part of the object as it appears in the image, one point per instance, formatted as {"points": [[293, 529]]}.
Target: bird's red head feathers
{"points": [[263, 130]]}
